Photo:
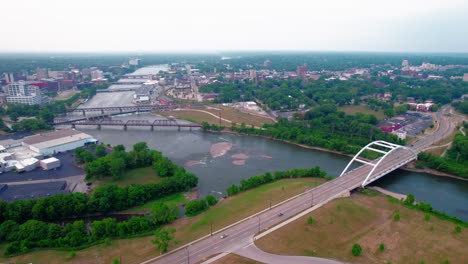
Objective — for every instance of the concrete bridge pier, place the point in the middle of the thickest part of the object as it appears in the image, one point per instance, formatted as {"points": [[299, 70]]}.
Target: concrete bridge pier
{"points": [[178, 128], [102, 111], [73, 125], [84, 112], [99, 126], [125, 127], [152, 128]]}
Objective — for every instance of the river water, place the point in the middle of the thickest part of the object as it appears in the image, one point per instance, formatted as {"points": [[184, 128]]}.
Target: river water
{"points": [[261, 155]]}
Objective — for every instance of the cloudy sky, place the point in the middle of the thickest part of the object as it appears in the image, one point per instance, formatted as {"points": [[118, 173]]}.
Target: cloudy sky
{"points": [[217, 25]]}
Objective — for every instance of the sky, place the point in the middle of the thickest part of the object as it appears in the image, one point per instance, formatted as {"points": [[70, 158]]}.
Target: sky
{"points": [[240, 25]]}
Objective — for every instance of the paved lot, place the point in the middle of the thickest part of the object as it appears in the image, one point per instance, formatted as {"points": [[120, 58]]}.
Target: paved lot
{"points": [[32, 191], [67, 169], [110, 100]]}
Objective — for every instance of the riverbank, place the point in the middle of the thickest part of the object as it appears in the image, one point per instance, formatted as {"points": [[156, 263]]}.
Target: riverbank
{"points": [[406, 168]]}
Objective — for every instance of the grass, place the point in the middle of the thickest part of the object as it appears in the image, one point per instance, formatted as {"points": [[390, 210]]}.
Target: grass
{"points": [[235, 259], [368, 221], [171, 200], [139, 249], [134, 176], [228, 113], [353, 109]]}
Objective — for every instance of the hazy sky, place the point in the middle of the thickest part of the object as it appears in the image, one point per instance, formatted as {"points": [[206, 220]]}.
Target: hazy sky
{"points": [[218, 25]]}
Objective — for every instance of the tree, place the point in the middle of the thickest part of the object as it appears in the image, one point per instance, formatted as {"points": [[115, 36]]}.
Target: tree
{"points": [[101, 151], [458, 229], [310, 220], [396, 216], [161, 213], [162, 238], [46, 115], [409, 199], [211, 200], [356, 250], [117, 168], [381, 247]]}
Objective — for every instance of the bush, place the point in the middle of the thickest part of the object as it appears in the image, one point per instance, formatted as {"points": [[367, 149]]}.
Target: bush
{"points": [[458, 229], [310, 220], [396, 216], [357, 250], [211, 200], [381, 247], [427, 217], [72, 254], [195, 207]]}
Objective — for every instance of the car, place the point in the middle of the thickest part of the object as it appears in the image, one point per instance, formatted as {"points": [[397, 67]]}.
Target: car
{"points": [[280, 214], [89, 183], [223, 236]]}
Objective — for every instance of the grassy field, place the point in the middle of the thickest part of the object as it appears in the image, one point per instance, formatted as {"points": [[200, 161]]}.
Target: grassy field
{"points": [[171, 200], [134, 176], [235, 259], [228, 113], [137, 250], [369, 221], [352, 109]]}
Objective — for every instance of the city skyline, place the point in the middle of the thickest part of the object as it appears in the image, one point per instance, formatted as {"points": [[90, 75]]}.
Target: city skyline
{"points": [[211, 26]]}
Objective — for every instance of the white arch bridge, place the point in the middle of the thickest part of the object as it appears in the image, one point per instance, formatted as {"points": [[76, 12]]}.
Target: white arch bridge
{"points": [[392, 156]]}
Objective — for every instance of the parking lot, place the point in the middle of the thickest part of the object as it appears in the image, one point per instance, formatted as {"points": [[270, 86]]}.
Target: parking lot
{"points": [[412, 122]]}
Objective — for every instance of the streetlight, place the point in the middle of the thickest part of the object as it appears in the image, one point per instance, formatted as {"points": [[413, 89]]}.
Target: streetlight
{"points": [[312, 198], [188, 254], [258, 223]]}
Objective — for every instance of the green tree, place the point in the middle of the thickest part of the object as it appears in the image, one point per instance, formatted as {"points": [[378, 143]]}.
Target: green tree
{"points": [[381, 247], [211, 200], [310, 220], [409, 199], [101, 151], [162, 238], [458, 229], [356, 250], [117, 168], [427, 217], [396, 216], [161, 213]]}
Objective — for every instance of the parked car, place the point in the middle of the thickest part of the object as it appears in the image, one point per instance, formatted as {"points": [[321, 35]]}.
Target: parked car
{"points": [[223, 236]]}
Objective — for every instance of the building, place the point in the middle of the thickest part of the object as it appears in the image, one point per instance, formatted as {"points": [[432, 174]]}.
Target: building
{"points": [[465, 77], [164, 100], [405, 64], [253, 74], [301, 71], [23, 93], [97, 75], [267, 63], [42, 73], [426, 107], [9, 77], [143, 94], [134, 62], [57, 141]]}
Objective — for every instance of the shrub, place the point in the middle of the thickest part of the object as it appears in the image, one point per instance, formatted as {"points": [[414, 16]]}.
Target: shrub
{"points": [[357, 250], [310, 220], [211, 200], [194, 207], [72, 254], [458, 229], [381, 247], [396, 216], [427, 217]]}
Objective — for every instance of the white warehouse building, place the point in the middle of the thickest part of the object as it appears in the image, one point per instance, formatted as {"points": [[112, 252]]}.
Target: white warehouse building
{"points": [[57, 141]]}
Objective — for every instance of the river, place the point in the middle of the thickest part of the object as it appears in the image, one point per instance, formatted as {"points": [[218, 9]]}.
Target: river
{"points": [[261, 155]]}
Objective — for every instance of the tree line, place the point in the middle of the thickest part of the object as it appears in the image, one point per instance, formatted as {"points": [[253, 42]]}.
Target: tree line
{"points": [[325, 127], [39, 234], [455, 162], [268, 177], [118, 161]]}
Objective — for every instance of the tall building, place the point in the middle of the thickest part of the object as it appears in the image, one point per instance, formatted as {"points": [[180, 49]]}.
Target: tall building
{"points": [[97, 75], [405, 64], [465, 77], [301, 71], [9, 77], [134, 62], [23, 93], [42, 73], [253, 74]]}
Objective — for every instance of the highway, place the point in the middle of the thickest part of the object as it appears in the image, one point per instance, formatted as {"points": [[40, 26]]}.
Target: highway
{"points": [[241, 234]]}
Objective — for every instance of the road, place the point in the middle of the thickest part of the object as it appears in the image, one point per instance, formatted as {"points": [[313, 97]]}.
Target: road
{"points": [[241, 235]]}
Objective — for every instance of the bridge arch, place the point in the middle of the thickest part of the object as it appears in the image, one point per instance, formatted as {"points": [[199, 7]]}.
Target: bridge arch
{"points": [[390, 147]]}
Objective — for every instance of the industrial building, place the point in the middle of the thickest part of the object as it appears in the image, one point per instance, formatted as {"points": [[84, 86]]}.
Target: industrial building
{"points": [[57, 141]]}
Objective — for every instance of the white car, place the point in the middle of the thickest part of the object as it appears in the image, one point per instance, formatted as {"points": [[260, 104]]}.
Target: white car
{"points": [[223, 236]]}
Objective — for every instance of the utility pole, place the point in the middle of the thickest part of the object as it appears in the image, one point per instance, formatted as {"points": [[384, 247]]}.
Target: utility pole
{"points": [[211, 228], [311, 198], [188, 254], [259, 224]]}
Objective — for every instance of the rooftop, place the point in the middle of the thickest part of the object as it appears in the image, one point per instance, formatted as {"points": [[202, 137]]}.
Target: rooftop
{"points": [[50, 136]]}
